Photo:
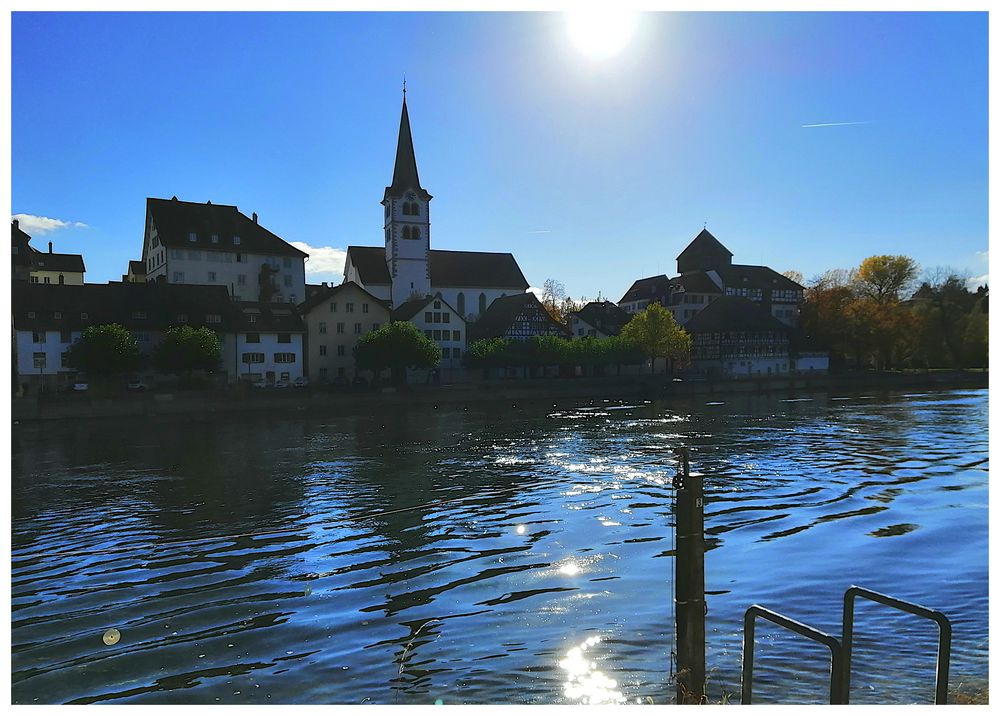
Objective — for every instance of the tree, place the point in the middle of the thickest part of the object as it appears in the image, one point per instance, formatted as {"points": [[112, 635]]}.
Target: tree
{"points": [[184, 350], [656, 333], [104, 351], [795, 276], [397, 345], [886, 278], [553, 296]]}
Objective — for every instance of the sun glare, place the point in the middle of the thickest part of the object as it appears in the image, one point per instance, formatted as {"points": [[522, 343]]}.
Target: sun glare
{"points": [[600, 34]]}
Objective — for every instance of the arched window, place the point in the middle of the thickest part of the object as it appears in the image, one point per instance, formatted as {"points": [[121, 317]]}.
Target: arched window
{"points": [[461, 304], [62, 279], [406, 208], [416, 232], [406, 232], [482, 303], [415, 209]]}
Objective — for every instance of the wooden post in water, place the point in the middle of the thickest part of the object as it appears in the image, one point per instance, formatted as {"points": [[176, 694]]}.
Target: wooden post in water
{"points": [[689, 583]]}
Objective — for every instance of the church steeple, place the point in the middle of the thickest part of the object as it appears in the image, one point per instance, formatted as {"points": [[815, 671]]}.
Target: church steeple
{"points": [[404, 172]]}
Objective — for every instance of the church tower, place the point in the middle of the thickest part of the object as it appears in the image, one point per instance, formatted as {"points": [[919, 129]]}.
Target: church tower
{"points": [[407, 222]]}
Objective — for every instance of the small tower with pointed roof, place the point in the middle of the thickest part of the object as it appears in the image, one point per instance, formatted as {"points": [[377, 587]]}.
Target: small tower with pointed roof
{"points": [[704, 253], [407, 222]]}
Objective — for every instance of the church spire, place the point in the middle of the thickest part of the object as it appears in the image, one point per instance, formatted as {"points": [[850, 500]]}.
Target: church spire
{"points": [[404, 173]]}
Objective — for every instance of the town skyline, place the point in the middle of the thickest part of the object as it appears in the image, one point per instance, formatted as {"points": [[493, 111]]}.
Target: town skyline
{"points": [[507, 173]]}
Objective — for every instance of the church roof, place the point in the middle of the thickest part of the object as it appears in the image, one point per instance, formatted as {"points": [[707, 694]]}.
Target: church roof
{"points": [[176, 220], [404, 172], [733, 313], [703, 242], [451, 269]]}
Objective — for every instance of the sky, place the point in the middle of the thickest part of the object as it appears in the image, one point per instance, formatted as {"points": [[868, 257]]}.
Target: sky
{"points": [[803, 141]]}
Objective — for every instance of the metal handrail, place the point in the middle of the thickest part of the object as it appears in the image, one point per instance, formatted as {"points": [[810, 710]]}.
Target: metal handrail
{"points": [[837, 692], [944, 636]]}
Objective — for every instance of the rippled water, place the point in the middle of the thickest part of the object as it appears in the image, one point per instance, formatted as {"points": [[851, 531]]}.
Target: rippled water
{"points": [[499, 554]]}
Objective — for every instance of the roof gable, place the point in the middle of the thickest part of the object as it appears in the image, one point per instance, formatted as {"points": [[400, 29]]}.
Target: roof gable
{"points": [[604, 316], [705, 242], [501, 314], [325, 293]]}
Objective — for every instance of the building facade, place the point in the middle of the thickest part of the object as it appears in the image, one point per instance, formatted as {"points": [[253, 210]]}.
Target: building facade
{"points": [[520, 317], [29, 264], [734, 337], [216, 245], [336, 318], [441, 323], [598, 319]]}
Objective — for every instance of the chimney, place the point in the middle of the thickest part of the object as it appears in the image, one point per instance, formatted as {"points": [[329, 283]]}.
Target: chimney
{"points": [[255, 217], [16, 222], [50, 247]]}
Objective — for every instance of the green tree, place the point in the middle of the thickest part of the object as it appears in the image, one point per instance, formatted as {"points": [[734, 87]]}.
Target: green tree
{"points": [[886, 278], [656, 333], [397, 346], [184, 350], [104, 351]]}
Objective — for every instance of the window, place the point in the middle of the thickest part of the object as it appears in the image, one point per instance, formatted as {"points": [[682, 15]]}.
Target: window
{"points": [[253, 357], [84, 316], [284, 357], [215, 238], [349, 308], [340, 350], [446, 352], [340, 328], [178, 277], [364, 308], [284, 338], [253, 338], [192, 237], [437, 317], [236, 242], [357, 329], [333, 307], [322, 326], [33, 279], [375, 326], [428, 333], [239, 258], [65, 337], [182, 318], [38, 360], [138, 315], [322, 350], [63, 357], [287, 281], [437, 334], [31, 314], [252, 318], [437, 304], [211, 276], [428, 317], [213, 318], [341, 371], [241, 280], [48, 279], [57, 314], [461, 304], [482, 303], [456, 353], [62, 279], [456, 335], [322, 372], [406, 232], [446, 318], [38, 336], [416, 232]]}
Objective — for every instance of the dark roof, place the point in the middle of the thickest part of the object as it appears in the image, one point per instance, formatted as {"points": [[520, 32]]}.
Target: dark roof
{"points": [[137, 268], [604, 316], [20, 239], [322, 293], [408, 310], [501, 314], [452, 269], [733, 313], [654, 287], [404, 172], [119, 302], [68, 263], [175, 220], [314, 288], [696, 282], [270, 317], [705, 242], [743, 276]]}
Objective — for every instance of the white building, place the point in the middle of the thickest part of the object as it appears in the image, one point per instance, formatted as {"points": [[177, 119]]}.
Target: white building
{"points": [[216, 245], [441, 323], [269, 343], [34, 266], [405, 268]]}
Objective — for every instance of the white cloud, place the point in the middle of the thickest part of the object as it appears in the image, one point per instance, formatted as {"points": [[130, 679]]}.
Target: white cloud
{"points": [[41, 225], [541, 231], [833, 124], [977, 281], [535, 290], [325, 263]]}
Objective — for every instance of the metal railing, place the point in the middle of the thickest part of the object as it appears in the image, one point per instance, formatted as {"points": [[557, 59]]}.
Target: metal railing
{"points": [[944, 636]]}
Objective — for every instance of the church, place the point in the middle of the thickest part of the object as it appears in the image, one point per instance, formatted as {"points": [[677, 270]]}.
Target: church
{"points": [[406, 268]]}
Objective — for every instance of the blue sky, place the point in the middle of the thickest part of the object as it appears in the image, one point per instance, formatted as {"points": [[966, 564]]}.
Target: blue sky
{"points": [[592, 172]]}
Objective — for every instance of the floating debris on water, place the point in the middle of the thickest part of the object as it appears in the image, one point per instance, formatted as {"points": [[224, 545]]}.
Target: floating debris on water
{"points": [[111, 637]]}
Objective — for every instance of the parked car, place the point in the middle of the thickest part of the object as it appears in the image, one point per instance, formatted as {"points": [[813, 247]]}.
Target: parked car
{"points": [[80, 387], [136, 385], [258, 383], [300, 382], [282, 384]]}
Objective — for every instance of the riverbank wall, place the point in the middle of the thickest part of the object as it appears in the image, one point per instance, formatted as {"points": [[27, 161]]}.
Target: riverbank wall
{"points": [[526, 392]]}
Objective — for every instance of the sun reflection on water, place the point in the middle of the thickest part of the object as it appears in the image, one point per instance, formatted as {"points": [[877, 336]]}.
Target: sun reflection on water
{"points": [[584, 681]]}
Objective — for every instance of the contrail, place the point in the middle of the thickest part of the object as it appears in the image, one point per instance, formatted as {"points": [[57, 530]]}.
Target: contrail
{"points": [[834, 124]]}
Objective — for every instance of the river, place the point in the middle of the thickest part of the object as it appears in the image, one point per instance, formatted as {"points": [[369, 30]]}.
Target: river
{"points": [[494, 554]]}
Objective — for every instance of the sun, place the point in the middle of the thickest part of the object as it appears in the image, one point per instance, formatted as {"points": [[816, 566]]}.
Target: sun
{"points": [[600, 34]]}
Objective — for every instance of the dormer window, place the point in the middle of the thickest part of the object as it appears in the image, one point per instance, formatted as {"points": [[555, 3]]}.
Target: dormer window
{"points": [[236, 241], [215, 238], [192, 237]]}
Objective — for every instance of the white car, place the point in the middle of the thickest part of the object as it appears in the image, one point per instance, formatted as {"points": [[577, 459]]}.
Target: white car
{"points": [[80, 387], [300, 382], [282, 384]]}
